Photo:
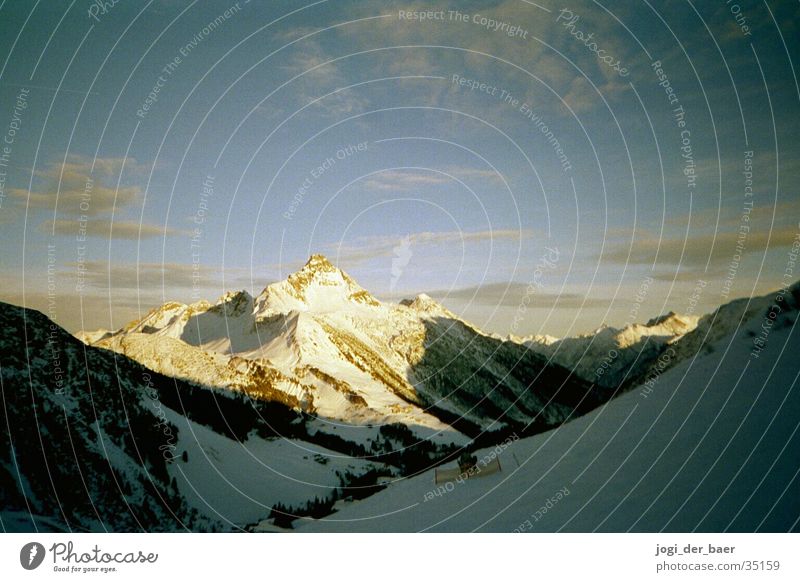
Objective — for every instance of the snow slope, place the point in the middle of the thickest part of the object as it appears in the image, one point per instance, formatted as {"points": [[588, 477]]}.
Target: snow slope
{"points": [[93, 441], [238, 483], [711, 444], [81, 444]]}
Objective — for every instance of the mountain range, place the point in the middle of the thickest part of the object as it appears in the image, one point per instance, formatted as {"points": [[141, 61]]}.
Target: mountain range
{"points": [[323, 345], [264, 412]]}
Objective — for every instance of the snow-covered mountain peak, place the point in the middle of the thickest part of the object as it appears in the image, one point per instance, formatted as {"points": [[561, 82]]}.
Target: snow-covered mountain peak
{"points": [[156, 318], [543, 339], [318, 262], [234, 303], [678, 324], [318, 287], [426, 304]]}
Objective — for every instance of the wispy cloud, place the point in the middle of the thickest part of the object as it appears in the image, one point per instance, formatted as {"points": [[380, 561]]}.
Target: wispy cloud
{"points": [[318, 78], [696, 250], [405, 180], [143, 276], [511, 294], [106, 229], [371, 247], [760, 217], [75, 188], [491, 54]]}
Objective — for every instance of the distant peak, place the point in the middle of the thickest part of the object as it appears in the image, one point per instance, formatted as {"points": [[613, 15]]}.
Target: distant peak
{"points": [[419, 300], [234, 303], [661, 319], [674, 322], [229, 296], [426, 304]]}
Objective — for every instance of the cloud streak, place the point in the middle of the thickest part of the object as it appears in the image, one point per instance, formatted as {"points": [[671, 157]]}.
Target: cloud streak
{"points": [[696, 250], [144, 276], [106, 229], [366, 248], [75, 188], [405, 180], [511, 293]]}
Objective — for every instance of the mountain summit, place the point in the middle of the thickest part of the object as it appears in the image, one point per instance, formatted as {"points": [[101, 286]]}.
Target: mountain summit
{"points": [[319, 287], [319, 262]]}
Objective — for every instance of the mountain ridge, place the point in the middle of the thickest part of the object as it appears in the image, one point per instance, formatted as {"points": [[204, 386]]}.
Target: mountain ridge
{"points": [[375, 362]]}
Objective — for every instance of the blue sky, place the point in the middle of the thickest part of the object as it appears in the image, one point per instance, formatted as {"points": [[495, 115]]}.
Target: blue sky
{"points": [[455, 191]]}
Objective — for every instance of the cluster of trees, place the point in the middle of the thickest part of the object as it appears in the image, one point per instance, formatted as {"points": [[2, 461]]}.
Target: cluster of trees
{"points": [[401, 448], [233, 414], [283, 515], [359, 486], [352, 486]]}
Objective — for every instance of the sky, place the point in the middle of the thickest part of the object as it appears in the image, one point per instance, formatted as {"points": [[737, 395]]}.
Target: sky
{"points": [[537, 167]]}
